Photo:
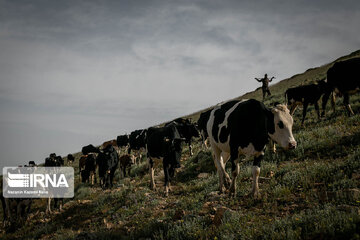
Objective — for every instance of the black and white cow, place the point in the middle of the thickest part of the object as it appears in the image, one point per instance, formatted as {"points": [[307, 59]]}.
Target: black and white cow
{"points": [[305, 95], [107, 160], [202, 123], [243, 128], [186, 129], [163, 144], [54, 161], [137, 141], [343, 79]]}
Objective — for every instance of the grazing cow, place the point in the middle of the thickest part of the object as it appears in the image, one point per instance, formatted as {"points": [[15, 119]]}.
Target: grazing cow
{"points": [[186, 129], [201, 124], [305, 95], [87, 166], [137, 140], [126, 161], [54, 161], [243, 128], [70, 159], [122, 141], [89, 149], [164, 144], [107, 160], [342, 79]]}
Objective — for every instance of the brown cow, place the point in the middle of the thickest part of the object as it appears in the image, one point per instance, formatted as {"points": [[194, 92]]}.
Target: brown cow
{"points": [[126, 161], [107, 143]]}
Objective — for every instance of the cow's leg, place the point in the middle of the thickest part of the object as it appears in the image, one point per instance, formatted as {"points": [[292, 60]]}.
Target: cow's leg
{"points": [[190, 149], [272, 146], [224, 157], [48, 207], [256, 174], [316, 104], [112, 173], [61, 203], [167, 178], [124, 171], [333, 99], [235, 168], [216, 157], [293, 108], [304, 112], [151, 171], [28, 208], [19, 211], [347, 104]]}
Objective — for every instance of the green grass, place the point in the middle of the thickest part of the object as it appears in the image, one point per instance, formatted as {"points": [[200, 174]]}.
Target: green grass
{"points": [[312, 192]]}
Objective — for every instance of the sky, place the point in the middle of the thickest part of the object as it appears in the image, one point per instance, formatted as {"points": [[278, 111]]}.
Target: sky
{"points": [[77, 72]]}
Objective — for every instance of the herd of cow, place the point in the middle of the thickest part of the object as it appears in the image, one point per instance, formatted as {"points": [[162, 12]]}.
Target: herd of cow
{"points": [[235, 130]]}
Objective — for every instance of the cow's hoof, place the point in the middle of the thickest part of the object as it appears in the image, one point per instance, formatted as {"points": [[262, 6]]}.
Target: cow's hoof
{"points": [[152, 187], [227, 183], [256, 195]]}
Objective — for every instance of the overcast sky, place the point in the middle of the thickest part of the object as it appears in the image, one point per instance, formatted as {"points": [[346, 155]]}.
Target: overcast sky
{"points": [[79, 72]]}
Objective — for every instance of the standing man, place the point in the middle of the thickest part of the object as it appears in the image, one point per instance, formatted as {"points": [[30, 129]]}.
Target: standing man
{"points": [[265, 87]]}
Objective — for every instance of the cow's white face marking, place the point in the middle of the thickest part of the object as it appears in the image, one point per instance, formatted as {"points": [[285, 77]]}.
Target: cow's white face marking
{"points": [[283, 122]]}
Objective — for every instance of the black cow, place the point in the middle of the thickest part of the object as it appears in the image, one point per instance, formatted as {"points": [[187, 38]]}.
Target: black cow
{"points": [[243, 128], [343, 78], [122, 141], [107, 160], [164, 143], [70, 159], [186, 129], [89, 149], [54, 161], [88, 168], [15, 212], [305, 95], [201, 124], [32, 164], [137, 140]]}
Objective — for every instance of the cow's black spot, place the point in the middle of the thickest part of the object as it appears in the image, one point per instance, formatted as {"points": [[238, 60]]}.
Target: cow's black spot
{"points": [[281, 124], [219, 117], [224, 133]]}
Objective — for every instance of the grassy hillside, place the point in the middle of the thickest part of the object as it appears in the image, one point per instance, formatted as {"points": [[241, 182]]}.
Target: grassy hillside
{"points": [[312, 192]]}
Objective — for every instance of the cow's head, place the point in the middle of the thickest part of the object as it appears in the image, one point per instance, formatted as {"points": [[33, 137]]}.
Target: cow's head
{"points": [[281, 131]]}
